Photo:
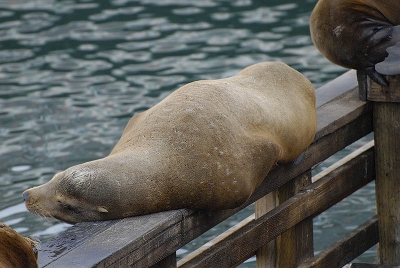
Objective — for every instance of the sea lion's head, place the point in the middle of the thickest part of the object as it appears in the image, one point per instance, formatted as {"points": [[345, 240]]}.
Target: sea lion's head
{"points": [[70, 196], [117, 186], [16, 250]]}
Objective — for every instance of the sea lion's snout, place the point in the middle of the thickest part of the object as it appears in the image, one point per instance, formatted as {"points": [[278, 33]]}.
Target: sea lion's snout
{"points": [[30, 197], [26, 196], [28, 200]]}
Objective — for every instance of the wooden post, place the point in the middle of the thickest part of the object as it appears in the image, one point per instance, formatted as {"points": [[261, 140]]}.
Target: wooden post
{"points": [[387, 160], [266, 255], [296, 244]]}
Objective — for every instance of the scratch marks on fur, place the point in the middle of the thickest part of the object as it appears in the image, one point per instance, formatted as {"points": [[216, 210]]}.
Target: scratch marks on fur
{"points": [[82, 177], [338, 30]]}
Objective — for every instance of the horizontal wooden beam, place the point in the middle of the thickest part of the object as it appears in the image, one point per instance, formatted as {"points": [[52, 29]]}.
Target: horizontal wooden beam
{"points": [[206, 248], [342, 161], [348, 248], [146, 240]]}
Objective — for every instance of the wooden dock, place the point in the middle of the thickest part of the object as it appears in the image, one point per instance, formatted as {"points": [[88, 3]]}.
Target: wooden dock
{"points": [[280, 232]]}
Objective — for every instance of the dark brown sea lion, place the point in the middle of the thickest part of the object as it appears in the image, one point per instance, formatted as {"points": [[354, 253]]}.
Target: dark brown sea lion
{"points": [[16, 250], [208, 145], [356, 33]]}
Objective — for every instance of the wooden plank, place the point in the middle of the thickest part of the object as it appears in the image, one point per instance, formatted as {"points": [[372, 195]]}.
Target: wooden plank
{"points": [[297, 243], [340, 123], [337, 87], [340, 111], [70, 239], [348, 248], [387, 143], [342, 161], [80, 247], [383, 94], [314, 200]]}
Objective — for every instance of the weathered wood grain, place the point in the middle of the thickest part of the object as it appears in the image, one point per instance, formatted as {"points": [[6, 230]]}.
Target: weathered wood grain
{"points": [[382, 94], [387, 143], [297, 243], [113, 240]]}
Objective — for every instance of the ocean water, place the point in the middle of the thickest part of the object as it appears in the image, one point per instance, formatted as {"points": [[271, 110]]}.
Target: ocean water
{"points": [[72, 73]]}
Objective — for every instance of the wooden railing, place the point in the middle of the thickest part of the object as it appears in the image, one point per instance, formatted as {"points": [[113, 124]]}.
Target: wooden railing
{"points": [[281, 236]]}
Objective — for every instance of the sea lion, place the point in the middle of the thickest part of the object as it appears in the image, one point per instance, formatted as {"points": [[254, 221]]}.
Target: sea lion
{"points": [[16, 250], [356, 33], [207, 146]]}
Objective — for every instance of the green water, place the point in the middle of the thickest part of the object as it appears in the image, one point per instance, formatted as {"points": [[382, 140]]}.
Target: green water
{"points": [[72, 73]]}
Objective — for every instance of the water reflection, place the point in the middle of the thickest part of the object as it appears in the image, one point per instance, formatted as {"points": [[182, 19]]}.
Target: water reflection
{"points": [[73, 72]]}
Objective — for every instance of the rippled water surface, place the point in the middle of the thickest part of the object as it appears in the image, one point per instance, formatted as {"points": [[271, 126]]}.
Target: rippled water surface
{"points": [[72, 73]]}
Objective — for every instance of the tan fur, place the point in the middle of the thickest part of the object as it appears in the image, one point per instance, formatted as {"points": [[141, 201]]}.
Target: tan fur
{"points": [[16, 250], [354, 33], [207, 145]]}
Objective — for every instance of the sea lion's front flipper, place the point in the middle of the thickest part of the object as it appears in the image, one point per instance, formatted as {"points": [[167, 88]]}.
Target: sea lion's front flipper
{"points": [[391, 64]]}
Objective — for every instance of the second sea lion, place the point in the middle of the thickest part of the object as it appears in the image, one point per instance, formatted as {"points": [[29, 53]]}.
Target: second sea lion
{"points": [[356, 33], [16, 250]]}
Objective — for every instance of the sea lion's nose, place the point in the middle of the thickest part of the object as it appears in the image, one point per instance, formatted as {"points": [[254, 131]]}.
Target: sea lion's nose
{"points": [[25, 196]]}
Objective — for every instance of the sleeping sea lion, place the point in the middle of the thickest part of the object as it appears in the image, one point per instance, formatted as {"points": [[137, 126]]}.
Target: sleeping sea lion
{"points": [[356, 33], [207, 146], [16, 250]]}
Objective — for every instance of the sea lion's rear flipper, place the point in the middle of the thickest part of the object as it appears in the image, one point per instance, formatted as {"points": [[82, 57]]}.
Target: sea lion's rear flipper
{"points": [[384, 41], [363, 81], [376, 76], [391, 64]]}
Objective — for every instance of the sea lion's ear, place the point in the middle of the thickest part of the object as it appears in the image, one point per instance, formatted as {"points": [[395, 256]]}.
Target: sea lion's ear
{"points": [[102, 209]]}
